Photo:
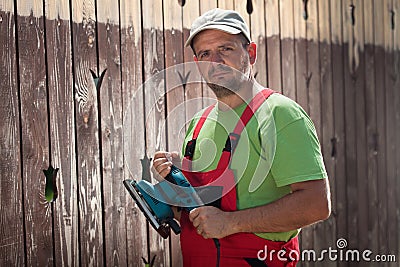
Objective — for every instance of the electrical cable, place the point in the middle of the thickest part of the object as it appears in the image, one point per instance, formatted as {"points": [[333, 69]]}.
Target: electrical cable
{"points": [[217, 245]]}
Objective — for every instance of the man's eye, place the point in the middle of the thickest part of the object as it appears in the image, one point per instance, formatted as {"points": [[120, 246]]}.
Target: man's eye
{"points": [[203, 55], [227, 48]]}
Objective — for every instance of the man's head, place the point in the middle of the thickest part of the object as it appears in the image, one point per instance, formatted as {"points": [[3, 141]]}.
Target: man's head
{"points": [[228, 21], [222, 47]]}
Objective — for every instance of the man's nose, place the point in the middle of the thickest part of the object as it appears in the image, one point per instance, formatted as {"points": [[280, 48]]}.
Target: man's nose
{"points": [[216, 57]]}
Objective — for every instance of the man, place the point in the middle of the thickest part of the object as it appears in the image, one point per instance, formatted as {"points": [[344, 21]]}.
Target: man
{"points": [[260, 148]]}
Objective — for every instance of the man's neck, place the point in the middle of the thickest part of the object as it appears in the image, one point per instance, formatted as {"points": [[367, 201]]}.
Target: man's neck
{"points": [[244, 94]]}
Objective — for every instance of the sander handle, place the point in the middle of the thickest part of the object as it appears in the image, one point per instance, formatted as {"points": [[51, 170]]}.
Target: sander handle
{"points": [[177, 178]]}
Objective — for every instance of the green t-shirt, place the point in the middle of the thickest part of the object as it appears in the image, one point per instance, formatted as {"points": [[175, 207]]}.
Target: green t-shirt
{"points": [[278, 147]]}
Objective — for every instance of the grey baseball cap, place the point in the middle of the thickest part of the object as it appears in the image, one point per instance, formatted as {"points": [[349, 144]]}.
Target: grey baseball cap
{"points": [[219, 19]]}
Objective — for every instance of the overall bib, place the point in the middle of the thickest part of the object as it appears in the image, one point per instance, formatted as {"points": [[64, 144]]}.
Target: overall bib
{"points": [[241, 249]]}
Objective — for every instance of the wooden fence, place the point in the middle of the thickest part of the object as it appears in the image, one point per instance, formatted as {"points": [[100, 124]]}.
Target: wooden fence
{"points": [[70, 71]]}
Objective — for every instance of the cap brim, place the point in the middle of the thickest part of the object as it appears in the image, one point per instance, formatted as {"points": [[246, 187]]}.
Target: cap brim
{"points": [[224, 28]]}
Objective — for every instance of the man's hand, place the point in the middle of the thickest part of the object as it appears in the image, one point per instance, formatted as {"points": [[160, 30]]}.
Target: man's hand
{"points": [[210, 222], [162, 166], [162, 163], [308, 203]]}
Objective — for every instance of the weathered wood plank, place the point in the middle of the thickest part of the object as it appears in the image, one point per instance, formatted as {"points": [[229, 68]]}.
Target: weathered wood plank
{"points": [[274, 63], [193, 91], [313, 70], [175, 94], [287, 46], [301, 90], [154, 93], [240, 6], [62, 131], [371, 125], [313, 85], [396, 8], [350, 122], [300, 45], [208, 95], [390, 83], [35, 134], [133, 121], [338, 142], [173, 38], [380, 139], [111, 133], [87, 133], [226, 4], [357, 72], [11, 221], [325, 234], [257, 28], [208, 5]]}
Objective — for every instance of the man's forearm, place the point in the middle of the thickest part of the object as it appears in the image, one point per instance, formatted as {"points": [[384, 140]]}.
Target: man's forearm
{"points": [[296, 210]]}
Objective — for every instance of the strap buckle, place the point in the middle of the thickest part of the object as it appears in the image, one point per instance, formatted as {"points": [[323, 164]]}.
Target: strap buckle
{"points": [[231, 142], [189, 150]]}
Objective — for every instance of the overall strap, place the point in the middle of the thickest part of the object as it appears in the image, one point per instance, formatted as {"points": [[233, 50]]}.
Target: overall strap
{"points": [[190, 146], [247, 114], [201, 122], [233, 137]]}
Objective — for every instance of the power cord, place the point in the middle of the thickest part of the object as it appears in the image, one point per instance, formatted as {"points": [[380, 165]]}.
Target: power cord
{"points": [[217, 245]]}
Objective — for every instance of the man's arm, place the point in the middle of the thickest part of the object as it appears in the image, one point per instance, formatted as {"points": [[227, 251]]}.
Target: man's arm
{"points": [[308, 203]]}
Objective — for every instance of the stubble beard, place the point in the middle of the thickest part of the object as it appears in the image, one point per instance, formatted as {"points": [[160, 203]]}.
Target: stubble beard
{"points": [[222, 91], [232, 86]]}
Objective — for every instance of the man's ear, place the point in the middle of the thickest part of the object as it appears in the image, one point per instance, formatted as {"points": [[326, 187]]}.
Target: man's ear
{"points": [[252, 50]]}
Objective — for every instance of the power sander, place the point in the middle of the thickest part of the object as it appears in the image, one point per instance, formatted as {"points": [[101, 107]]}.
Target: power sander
{"points": [[155, 201]]}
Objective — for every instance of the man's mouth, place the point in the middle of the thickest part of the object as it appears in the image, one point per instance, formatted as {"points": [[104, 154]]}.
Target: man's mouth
{"points": [[219, 71], [219, 74]]}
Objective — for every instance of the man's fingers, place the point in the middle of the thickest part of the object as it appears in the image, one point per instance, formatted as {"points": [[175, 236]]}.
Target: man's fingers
{"points": [[173, 157], [193, 214], [165, 154], [197, 222], [157, 163], [162, 163], [160, 154], [163, 157], [165, 171], [162, 167]]}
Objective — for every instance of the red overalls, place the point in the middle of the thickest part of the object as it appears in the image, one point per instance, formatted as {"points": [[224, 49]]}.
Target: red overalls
{"points": [[241, 249]]}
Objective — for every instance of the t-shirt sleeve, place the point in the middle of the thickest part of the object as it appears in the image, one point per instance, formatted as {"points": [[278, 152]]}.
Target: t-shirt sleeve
{"points": [[298, 154]]}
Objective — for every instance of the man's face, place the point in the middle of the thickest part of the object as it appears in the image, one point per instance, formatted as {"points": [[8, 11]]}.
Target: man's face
{"points": [[224, 60]]}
